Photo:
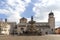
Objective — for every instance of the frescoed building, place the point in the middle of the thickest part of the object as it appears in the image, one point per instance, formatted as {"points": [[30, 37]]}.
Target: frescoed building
{"points": [[7, 28]]}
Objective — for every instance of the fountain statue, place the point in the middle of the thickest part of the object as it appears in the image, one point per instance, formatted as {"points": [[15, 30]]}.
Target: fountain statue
{"points": [[32, 28]]}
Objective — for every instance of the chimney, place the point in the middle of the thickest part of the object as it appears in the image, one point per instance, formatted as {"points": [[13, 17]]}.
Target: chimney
{"points": [[5, 20]]}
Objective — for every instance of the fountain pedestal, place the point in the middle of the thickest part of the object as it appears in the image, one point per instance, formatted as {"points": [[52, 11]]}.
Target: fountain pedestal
{"points": [[32, 28]]}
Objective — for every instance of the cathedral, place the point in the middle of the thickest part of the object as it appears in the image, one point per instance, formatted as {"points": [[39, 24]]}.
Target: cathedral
{"points": [[33, 27], [28, 28]]}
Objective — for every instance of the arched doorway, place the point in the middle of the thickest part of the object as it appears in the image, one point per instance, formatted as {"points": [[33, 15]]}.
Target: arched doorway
{"points": [[22, 30]]}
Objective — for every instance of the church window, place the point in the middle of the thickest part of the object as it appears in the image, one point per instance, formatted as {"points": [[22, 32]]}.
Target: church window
{"points": [[46, 32], [52, 29], [43, 28], [15, 26], [22, 29]]}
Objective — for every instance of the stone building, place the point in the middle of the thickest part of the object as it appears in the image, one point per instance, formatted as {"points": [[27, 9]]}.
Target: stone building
{"points": [[22, 25], [37, 27], [30, 27], [7, 28], [57, 30], [4, 28]]}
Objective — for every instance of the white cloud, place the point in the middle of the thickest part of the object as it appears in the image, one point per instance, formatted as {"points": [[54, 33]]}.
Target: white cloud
{"points": [[57, 15], [41, 17], [4, 11], [43, 7], [19, 7], [14, 9]]}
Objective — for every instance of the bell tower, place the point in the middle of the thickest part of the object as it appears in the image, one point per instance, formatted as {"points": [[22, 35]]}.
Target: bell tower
{"points": [[51, 20]]}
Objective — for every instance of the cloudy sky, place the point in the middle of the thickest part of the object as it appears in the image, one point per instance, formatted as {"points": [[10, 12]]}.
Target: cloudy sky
{"points": [[13, 10]]}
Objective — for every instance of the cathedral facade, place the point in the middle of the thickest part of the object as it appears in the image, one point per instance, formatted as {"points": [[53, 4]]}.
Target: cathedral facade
{"points": [[36, 27], [28, 28]]}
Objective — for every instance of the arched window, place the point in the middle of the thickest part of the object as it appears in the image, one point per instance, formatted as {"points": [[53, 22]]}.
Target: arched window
{"points": [[0, 30], [22, 29], [46, 32], [52, 29], [15, 26]]}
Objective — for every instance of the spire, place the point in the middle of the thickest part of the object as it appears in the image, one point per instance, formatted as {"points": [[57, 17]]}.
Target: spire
{"points": [[5, 19]]}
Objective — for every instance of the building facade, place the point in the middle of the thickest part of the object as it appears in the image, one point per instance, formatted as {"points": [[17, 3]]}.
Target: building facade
{"points": [[39, 27], [7, 28], [57, 30], [4, 28], [30, 27]]}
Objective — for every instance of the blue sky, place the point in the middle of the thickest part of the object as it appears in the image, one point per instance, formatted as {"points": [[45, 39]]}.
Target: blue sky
{"points": [[13, 10], [28, 12]]}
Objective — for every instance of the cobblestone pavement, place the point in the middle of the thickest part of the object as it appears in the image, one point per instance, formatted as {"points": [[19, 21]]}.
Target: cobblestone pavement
{"points": [[45, 37]]}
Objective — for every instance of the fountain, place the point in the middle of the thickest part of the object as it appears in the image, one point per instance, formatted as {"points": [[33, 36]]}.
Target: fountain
{"points": [[32, 28]]}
